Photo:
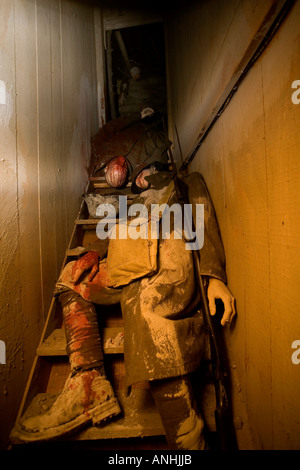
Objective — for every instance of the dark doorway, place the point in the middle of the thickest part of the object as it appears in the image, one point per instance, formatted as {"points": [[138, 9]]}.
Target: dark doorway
{"points": [[136, 72]]}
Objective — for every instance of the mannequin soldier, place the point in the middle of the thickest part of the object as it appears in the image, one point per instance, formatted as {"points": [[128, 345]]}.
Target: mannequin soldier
{"points": [[163, 328]]}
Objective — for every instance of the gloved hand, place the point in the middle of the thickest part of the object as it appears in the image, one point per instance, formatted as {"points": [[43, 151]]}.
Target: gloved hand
{"points": [[218, 290], [88, 261]]}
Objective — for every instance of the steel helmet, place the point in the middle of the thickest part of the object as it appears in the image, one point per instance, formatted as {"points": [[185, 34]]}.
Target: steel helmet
{"points": [[116, 172]]}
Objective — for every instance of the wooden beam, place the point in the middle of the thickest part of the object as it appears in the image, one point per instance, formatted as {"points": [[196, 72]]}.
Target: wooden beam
{"points": [[122, 18], [123, 50]]}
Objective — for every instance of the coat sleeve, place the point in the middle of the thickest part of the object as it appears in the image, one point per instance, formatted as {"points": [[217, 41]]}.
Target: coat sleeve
{"points": [[212, 255], [100, 246]]}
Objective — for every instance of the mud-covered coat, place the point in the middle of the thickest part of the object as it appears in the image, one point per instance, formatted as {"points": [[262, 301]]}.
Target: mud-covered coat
{"points": [[164, 330]]}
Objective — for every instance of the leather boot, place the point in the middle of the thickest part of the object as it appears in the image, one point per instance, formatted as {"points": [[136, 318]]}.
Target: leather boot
{"points": [[87, 396]]}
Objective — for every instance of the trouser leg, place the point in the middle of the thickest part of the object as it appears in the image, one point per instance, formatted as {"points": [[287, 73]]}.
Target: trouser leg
{"points": [[179, 413], [87, 396], [84, 346]]}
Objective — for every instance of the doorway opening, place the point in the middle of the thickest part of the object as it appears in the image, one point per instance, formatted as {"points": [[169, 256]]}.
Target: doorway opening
{"points": [[136, 71]]}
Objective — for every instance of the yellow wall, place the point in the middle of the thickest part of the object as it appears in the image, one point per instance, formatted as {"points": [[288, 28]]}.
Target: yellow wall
{"points": [[48, 112], [250, 161]]}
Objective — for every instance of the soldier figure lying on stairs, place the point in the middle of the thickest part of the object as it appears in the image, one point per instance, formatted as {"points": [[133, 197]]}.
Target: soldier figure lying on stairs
{"points": [[163, 330]]}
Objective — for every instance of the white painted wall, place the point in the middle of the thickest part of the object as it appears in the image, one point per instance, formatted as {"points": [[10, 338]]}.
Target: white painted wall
{"points": [[48, 112]]}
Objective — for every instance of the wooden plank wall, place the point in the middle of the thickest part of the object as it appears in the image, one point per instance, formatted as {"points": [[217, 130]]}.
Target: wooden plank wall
{"points": [[217, 35], [48, 114], [250, 161]]}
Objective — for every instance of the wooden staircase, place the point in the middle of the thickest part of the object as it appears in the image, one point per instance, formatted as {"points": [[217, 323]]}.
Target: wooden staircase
{"points": [[139, 425]]}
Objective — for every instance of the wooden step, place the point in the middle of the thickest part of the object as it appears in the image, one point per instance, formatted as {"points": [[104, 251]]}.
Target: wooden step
{"points": [[55, 343], [100, 182], [102, 185], [87, 221]]}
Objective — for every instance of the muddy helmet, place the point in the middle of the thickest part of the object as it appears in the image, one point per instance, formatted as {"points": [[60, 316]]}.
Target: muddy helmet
{"points": [[116, 172]]}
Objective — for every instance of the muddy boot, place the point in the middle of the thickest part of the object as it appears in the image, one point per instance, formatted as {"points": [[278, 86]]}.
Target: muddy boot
{"points": [[87, 396]]}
